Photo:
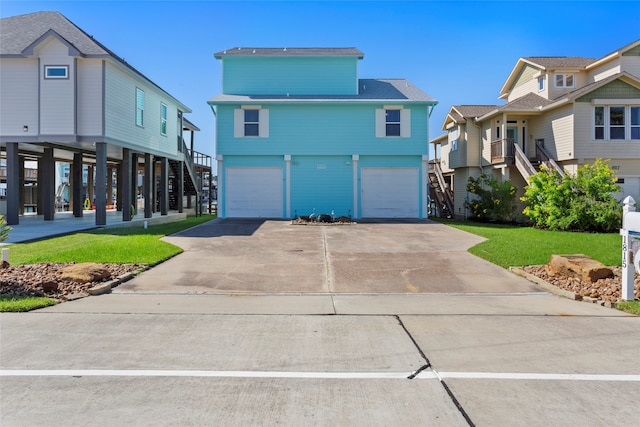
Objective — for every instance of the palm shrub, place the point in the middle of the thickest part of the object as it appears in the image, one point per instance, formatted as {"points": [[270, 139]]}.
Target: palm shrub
{"points": [[584, 201], [4, 229], [495, 200]]}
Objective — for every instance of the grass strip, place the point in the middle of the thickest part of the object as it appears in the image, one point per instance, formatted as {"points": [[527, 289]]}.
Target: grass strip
{"points": [[632, 307], [126, 245], [11, 303], [509, 245]]}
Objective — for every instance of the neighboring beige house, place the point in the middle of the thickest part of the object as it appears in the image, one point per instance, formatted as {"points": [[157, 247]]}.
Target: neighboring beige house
{"points": [[564, 111]]}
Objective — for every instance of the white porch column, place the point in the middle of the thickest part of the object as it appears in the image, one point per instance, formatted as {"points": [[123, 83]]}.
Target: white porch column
{"points": [[221, 192], [425, 189], [503, 134], [354, 162], [287, 181]]}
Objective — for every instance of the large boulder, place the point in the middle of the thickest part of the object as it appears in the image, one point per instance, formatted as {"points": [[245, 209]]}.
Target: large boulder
{"points": [[578, 265], [84, 272]]}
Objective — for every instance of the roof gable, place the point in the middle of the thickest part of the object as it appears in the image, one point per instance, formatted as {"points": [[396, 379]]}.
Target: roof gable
{"points": [[20, 33], [618, 86], [28, 51]]}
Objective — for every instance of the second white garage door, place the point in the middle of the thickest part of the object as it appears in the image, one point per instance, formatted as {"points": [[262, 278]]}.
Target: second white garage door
{"points": [[390, 193], [254, 193]]}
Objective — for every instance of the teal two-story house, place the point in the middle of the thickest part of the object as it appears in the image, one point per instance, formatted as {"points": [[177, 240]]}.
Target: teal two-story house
{"points": [[298, 132]]}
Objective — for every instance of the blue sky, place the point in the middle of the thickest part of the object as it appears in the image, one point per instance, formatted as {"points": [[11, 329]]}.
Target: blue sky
{"points": [[459, 52]]}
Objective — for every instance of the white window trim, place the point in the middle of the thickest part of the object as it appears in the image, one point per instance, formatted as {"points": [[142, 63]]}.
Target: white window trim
{"points": [[381, 122], [607, 121], [50, 67], [141, 109], [263, 122], [564, 80], [454, 138], [163, 120]]}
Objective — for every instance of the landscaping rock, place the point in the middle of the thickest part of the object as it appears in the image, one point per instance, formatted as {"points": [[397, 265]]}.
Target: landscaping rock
{"points": [[580, 266], [85, 272], [49, 286], [27, 280]]}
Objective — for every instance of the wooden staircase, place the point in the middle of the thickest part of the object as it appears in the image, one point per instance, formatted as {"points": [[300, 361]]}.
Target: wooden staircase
{"points": [[527, 167], [439, 192]]}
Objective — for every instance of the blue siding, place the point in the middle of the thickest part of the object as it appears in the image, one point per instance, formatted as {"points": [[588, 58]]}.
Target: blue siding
{"points": [[295, 76], [313, 129], [321, 183]]}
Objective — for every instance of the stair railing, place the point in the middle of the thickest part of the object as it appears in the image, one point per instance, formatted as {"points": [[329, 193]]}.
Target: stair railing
{"points": [[543, 156], [446, 192], [523, 164]]}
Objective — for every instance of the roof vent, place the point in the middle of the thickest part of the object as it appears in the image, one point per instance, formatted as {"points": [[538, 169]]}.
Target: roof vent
{"points": [[254, 51], [285, 49]]}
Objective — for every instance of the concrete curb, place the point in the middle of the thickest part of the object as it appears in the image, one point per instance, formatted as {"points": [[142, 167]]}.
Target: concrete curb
{"points": [[544, 284], [105, 287], [557, 291]]}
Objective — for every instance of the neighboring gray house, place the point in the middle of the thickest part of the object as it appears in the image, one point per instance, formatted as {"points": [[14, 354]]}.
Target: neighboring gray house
{"points": [[67, 98]]}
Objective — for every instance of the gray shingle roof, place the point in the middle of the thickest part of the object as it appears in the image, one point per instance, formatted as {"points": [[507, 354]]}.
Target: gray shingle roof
{"points": [[19, 32], [474, 110], [386, 90], [556, 62], [528, 102], [290, 51]]}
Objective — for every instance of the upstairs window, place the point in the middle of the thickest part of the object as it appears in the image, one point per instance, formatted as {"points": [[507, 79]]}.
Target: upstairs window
{"points": [[251, 122], [635, 122], [392, 119], [163, 118], [56, 72], [564, 81], [540, 84], [393, 122], [139, 107], [616, 122], [453, 138]]}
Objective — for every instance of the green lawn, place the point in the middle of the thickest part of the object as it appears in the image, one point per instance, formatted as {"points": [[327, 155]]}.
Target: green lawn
{"points": [[133, 245], [509, 245], [15, 304]]}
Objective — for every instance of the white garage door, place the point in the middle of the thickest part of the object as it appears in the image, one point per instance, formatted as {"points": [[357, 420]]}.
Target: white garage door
{"points": [[390, 193], [254, 193]]}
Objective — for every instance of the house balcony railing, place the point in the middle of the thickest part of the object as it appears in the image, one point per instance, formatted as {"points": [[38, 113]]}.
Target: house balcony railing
{"points": [[503, 151]]}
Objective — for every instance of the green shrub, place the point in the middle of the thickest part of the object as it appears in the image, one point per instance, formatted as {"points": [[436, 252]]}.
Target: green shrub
{"points": [[584, 201], [4, 229], [495, 201]]}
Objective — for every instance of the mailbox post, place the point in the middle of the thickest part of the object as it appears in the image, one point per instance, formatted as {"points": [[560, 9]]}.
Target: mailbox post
{"points": [[630, 233]]}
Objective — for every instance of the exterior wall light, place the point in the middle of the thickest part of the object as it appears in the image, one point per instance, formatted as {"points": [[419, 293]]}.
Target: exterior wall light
{"points": [[25, 128]]}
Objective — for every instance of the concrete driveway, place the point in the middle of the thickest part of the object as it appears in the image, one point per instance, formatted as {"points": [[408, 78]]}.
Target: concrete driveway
{"points": [[292, 332], [389, 257]]}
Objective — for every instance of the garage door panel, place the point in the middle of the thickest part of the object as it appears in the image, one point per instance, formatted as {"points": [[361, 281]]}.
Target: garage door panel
{"points": [[390, 193], [254, 193]]}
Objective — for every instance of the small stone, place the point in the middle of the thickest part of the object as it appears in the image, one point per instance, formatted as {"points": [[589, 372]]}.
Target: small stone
{"points": [[49, 286]]}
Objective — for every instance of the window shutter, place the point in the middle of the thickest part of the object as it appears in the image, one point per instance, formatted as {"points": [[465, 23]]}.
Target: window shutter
{"points": [[238, 123], [381, 130], [405, 123], [263, 123]]}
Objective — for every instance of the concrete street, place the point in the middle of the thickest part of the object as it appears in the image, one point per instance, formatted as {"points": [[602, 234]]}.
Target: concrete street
{"points": [[374, 324]]}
